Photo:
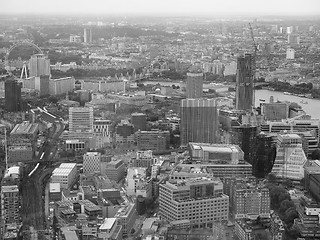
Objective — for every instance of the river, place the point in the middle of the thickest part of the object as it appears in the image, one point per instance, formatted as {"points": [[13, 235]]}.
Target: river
{"points": [[312, 107]]}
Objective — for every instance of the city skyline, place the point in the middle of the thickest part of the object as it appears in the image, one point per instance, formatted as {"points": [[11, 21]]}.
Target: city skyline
{"points": [[180, 7]]}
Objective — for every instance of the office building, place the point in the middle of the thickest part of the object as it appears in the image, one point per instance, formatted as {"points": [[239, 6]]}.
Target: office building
{"points": [[126, 217], [312, 178], [65, 174], [13, 101], [138, 183], [39, 65], [80, 119], [75, 39], [143, 159], [243, 230], [61, 86], [115, 170], [42, 84], [200, 200], [265, 155], [155, 140], [87, 35], [199, 121], [290, 54], [20, 154], [275, 111], [10, 204], [194, 85], [249, 200], [91, 162], [293, 39], [139, 121], [245, 137], [215, 153], [125, 133], [244, 82], [290, 157]]}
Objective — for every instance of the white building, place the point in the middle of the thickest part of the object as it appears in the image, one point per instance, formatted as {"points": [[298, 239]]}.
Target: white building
{"points": [[75, 39], [290, 158], [290, 53], [65, 174], [91, 162], [138, 183], [114, 170], [61, 85]]}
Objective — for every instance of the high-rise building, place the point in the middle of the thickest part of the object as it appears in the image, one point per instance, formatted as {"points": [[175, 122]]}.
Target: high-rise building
{"points": [[245, 137], [200, 200], [10, 204], [124, 133], [194, 84], [13, 95], [199, 121], [290, 158], [155, 140], [91, 162], [87, 35], [139, 121], [81, 119], [290, 53], [39, 65], [244, 82]]}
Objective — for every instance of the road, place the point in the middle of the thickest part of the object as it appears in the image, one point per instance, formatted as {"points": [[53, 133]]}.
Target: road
{"points": [[33, 188]]}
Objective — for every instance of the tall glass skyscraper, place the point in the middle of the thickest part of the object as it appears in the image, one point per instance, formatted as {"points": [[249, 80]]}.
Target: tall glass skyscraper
{"points": [[244, 82], [13, 95]]}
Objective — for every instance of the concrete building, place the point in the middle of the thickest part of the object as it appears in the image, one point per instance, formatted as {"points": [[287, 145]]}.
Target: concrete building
{"points": [[312, 178], [13, 95], [215, 153], [75, 39], [243, 230], [23, 133], [199, 121], [91, 162], [200, 200], [139, 121], [61, 86], [290, 158], [143, 159], [75, 144], [39, 65], [275, 111], [102, 127], [114, 170], [194, 84], [10, 204], [80, 119], [154, 140], [126, 217], [290, 54], [87, 35], [109, 229], [138, 183], [65, 174], [20, 154]]}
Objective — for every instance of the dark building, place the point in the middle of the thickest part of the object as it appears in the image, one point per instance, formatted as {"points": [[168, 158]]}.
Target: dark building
{"points": [[194, 84], [199, 121], [265, 156], [244, 82], [139, 121], [13, 95], [245, 137], [44, 85]]}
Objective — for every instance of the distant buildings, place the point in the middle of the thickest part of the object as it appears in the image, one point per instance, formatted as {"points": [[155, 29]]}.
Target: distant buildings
{"points": [[290, 54], [200, 200], [139, 121], [61, 86], [39, 65], [290, 158], [13, 101], [75, 39], [194, 85], [80, 119], [199, 121], [87, 35], [244, 82]]}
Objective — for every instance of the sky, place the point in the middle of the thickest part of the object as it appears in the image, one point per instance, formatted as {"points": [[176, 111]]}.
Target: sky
{"points": [[238, 7]]}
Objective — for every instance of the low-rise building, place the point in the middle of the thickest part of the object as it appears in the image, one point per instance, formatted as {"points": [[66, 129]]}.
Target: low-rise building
{"points": [[153, 140], [114, 170], [65, 174], [126, 217]]}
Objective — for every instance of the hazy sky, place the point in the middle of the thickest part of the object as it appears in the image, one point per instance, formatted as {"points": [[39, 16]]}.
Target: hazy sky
{"points": [[288, 7]]}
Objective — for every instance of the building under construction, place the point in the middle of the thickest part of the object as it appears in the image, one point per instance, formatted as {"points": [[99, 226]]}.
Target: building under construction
{"points": [[244, 82]]}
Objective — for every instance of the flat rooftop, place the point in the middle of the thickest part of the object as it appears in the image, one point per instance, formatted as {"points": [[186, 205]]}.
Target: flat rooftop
{"points": [[25, 128], [108, 223]]}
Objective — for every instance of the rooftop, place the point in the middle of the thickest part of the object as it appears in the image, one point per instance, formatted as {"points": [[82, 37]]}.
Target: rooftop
{"points": [[25, 128], [12, 188], [108, 223]]}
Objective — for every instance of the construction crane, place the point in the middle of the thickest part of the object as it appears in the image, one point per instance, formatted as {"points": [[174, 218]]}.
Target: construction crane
{"points": [[253, 62]]}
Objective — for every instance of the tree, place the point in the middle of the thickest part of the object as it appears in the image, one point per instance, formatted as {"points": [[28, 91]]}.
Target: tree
{"points": [[315, 155]]}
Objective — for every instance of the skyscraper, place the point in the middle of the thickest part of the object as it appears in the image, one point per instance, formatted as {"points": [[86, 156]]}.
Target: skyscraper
{"points": [[139, 121], [199, 121], [194, 84], [13, 95], [39, 65], [244, 82], [87, 35], [81, 119]]}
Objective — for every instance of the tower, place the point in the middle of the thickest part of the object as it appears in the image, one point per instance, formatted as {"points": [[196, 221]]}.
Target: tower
{"points": [[194, 84], [244, 82], [13, 95], [39, 65], [199, 121]]}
